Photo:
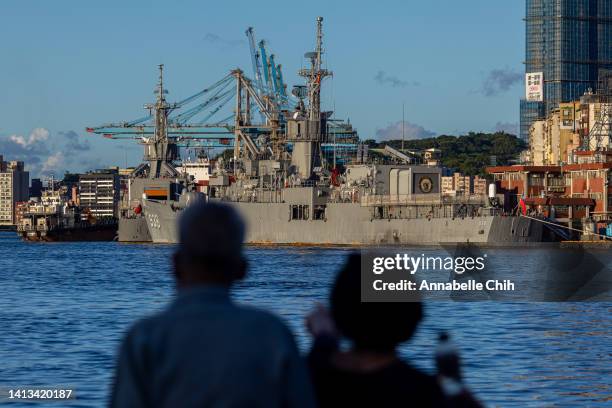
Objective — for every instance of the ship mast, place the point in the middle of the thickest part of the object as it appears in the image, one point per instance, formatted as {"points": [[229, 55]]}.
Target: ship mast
{"points": [[160, 151], [161, 108], [315, 75], [307, 134]]}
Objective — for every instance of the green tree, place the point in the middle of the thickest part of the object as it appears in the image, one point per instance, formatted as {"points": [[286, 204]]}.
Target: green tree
{"points": [[469, 154]]}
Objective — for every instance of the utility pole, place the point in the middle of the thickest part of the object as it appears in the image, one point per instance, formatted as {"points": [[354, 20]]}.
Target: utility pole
{"points": [[334, 148]]}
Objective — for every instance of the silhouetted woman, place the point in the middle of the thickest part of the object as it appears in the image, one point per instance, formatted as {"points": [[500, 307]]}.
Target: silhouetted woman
{"points": [[370, 373]]}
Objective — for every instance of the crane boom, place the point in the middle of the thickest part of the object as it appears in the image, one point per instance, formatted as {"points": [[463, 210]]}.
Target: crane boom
{"points": [[283, 89], [255, 57], [274, 75], [266, 67]]}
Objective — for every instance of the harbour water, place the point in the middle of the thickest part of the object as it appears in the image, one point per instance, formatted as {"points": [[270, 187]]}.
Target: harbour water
{"points": [[64, 307]]}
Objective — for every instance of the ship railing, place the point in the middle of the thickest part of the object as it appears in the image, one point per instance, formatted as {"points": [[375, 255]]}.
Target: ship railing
{"points": [[39, 211], [32, 228], [410, 199], [260, 195]]}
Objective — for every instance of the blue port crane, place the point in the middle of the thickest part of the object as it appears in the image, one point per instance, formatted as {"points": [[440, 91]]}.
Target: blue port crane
{"points": [[266, 68], [274, 88], [274, 74], [255, 57], [281, 83], [256, 62]]}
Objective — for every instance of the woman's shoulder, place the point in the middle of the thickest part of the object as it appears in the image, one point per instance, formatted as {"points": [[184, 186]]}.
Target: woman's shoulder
{"points": [[404, 371], [395, 383]]}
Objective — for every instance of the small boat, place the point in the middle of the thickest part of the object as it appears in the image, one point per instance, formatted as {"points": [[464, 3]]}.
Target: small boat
{"points": [[54, 219]]}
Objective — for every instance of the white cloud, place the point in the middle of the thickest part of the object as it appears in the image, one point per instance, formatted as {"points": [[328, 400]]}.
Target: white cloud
{"points": [[382, 78], [53, 164], [411, 131], [500, 80], [44, 153], [36, 136], [39, 134]]}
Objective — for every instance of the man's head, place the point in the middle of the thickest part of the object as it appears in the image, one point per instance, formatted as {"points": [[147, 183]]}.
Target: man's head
{"points": [[371, 326], [210, 246]]}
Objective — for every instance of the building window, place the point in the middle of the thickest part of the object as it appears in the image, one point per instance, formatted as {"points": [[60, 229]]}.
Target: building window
{"points": [[299, 212]]}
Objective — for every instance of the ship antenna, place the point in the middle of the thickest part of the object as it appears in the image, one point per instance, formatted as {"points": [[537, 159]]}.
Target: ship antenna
{"points": [[160, 86], [315, 74], [319, 41]]}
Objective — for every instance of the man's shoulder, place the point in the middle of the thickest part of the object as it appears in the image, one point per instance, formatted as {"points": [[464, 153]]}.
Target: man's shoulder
{"points": [[264, 321], [262, 318], [142, 328]]}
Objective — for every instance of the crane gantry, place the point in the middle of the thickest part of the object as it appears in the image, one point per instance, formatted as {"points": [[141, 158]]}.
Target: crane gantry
{"points": [[199, 120], [206, 118]]}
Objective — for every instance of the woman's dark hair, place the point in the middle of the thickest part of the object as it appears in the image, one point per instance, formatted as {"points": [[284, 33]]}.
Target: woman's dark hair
{"points": [[371, 326]]}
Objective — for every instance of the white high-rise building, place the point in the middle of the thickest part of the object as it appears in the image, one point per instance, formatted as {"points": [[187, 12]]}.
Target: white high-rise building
{"points": [[14, 186]]}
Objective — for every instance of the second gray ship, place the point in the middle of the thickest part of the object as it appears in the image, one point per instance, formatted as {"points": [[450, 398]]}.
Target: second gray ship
{"points": [[288, 193]]}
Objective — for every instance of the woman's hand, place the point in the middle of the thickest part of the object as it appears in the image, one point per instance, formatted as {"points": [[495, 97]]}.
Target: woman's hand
{"points": [[320, 323]]}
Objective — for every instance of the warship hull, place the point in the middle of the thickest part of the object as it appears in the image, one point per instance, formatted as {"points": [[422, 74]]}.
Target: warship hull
{"points": [[133, 230], [354, 224]]}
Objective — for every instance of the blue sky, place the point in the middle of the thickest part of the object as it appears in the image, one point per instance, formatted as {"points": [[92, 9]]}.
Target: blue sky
{"points": [[66, 64]]}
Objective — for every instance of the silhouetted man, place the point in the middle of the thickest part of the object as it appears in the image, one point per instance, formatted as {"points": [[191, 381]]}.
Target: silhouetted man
{"points": [[204, 350]]}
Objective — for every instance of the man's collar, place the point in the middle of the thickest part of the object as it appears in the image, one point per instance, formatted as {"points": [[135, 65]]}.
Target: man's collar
{"points": [[207, 293]]}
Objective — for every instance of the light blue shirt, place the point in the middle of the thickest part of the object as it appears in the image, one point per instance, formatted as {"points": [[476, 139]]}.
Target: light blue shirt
{"points": [[206, 351]]}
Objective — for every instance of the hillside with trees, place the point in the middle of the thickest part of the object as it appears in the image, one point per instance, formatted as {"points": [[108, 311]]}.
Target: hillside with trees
{"points": [[470, 153]]}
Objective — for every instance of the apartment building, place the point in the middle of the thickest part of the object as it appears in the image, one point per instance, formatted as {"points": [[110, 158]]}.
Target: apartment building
{"points": [[99, 193], [14, 188]]}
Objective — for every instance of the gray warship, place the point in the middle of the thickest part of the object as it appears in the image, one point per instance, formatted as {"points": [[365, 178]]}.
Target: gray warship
{"points": [[157, 178], [290, 194]]}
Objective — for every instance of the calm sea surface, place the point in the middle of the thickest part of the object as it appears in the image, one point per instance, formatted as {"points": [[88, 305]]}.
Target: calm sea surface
{"points": [[65, 306]]}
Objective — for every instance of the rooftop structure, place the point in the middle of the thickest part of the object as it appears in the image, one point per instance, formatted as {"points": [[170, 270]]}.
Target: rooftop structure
{"points": [[574, 191]]}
